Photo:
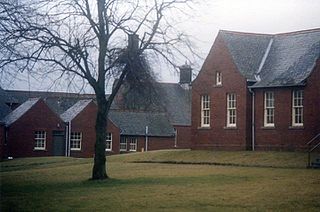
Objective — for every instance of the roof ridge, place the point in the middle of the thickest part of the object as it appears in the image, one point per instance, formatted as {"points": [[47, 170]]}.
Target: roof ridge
{"points": [[272, 34], [20, 111], [298, 32], [245, 33]]}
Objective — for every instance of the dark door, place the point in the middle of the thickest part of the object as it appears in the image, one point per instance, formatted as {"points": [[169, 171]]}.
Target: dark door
{"points": [[59, 144]]}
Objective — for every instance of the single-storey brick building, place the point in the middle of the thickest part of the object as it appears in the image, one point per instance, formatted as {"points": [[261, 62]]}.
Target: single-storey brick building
{"points": [[258, 91], [32, 129]]}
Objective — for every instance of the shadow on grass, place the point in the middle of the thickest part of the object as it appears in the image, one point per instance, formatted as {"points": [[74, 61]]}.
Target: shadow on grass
{"points": [[220, 164], [49, 187]]}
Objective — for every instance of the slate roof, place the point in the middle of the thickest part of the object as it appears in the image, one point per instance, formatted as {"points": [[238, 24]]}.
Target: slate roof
{"points": [[4, 109], [177, 103], [134, 123], [19, 111], [58, 102], [288, 62], [73, 111], [247, 50], [5, 98]]}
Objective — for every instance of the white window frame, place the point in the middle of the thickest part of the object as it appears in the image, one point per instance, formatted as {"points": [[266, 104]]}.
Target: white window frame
{"points": [[205, 111], [218, 78], [269, 109], [297, 108], [75, 137], [122, 144], [40, 136], [231, 110], [109, 140], [133, 144]]}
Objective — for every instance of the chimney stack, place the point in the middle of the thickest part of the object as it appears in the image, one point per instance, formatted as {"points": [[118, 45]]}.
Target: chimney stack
{"points": [[185, 74], [133, 42]]}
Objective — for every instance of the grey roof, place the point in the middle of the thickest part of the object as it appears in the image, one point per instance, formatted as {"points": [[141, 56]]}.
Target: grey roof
{"points": [[7, 97], [4, 109], [247, 50], [58, 102], [73, 111], [291, 59], [170, 98], [134, 123], [20, 111], [177, 102], [288, 62]]}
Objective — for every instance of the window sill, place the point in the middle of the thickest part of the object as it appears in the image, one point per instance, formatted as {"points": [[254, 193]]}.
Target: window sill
{"points": [[217, 86], [75, 150], [268, 128], [204, 128], [39, 150], [296, 127], [230, 128]]}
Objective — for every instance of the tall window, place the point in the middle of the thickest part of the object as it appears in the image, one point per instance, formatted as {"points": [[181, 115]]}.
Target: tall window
{"points": [[231, 110], [218, 78], [205, 111], [40, 140], [133, 144], [269, 109], [75, 140], [297, 108], [109, 142], [123, 144]]}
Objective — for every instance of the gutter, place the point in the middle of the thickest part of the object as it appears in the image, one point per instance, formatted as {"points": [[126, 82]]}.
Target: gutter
{"points": [[252, 120]]}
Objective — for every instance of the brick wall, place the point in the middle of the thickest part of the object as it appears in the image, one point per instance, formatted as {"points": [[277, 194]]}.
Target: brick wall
{"points": [[284, 136], [154, 143], [85, 122], [2, 141], [218, 136], [21, 132], [183, 137]]}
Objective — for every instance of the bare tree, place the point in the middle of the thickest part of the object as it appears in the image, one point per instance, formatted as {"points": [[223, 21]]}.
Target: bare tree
{"points": [[82, 39]]}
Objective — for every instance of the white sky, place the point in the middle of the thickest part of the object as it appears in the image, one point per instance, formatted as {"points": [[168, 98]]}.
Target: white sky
{"points": [[261, 16]]}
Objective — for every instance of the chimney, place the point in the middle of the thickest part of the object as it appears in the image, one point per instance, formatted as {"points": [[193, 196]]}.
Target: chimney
{"points": [[185, 74], [133, 42]]}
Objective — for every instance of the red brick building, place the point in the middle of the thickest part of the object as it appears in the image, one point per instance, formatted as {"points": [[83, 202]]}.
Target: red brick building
{"points": [[258, 91], [80, 130], [33, 129], [143, 131]]}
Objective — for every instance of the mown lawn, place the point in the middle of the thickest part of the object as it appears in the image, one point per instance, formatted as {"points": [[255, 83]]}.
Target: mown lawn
{"points": [[61, 184]]}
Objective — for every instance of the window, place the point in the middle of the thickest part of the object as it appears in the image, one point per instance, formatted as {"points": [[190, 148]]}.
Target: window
{"points": [[133, 144], [205, 111], [297, 108], [40, 140], [123, 144], [75, 141], [231, 110], [109, 142], [218, 78], [269, 109]]}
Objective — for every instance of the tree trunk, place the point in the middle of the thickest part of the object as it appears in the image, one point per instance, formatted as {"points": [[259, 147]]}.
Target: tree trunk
{"points": [[99, 167]]}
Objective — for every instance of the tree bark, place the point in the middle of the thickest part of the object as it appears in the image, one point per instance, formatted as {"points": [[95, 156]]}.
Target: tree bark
{"points": [[99, 168]]}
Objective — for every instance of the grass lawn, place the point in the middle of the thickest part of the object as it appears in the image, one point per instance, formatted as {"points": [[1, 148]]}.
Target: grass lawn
{"points": [[246, 183]]}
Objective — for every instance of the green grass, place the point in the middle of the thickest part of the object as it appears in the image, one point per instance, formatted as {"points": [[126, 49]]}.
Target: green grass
{"points": [[61, 184]]}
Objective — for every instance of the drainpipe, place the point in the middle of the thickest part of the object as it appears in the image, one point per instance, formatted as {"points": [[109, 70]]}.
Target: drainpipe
{"points": [[69, 138], [175, 137], [252, 120], [147, 129]]}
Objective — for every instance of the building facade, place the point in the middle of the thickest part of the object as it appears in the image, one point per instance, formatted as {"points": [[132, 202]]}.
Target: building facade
{"points": [[258, 91]]}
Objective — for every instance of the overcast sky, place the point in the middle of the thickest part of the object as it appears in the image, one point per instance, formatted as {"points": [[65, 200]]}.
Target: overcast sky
{"points": [[261, 16], [258, 16]]}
